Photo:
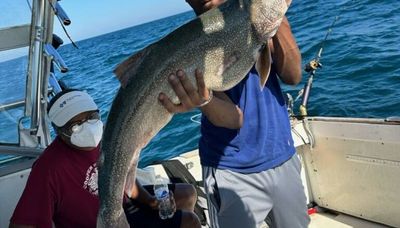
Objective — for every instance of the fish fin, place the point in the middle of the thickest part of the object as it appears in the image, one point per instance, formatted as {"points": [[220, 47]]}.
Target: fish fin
{"points": [[130, 181], [125, 70], [263, 65]]}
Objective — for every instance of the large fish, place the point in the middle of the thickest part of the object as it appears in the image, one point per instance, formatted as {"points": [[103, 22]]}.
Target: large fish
{"points": [[223, 43]]}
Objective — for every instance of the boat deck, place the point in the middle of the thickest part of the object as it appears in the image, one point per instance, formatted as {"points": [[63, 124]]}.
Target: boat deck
{"points": [[330, 220]]}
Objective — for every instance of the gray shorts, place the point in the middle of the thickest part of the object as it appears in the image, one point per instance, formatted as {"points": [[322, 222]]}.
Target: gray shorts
{"points": [[245, 200]]}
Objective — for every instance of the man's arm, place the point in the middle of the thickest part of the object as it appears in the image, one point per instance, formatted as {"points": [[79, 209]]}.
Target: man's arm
{"points": [[37, 201], [286, 54], [287, 60], [222, 112], [141, 195]]}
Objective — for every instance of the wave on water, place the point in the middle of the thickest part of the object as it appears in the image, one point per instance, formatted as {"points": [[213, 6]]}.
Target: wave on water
{"points": [[360, 76]]}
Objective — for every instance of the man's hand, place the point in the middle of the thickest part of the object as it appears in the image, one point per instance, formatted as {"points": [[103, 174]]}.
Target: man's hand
{"points": [[156, 204], [219, 109], [190, 96], [172, 201], [201, 6], [153, 203]]}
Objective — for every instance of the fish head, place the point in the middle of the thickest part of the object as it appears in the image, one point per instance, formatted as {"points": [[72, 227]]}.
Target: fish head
{"points": [[266, 16]]}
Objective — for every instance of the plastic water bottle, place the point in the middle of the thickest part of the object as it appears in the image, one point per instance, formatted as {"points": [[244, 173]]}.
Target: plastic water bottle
{"points": [[161, 192]]}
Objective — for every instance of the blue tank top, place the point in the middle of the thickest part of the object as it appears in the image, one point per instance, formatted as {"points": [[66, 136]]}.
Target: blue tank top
{"points": [[263, 142]]}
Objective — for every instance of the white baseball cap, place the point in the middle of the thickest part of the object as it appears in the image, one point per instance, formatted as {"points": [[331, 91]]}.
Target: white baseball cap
{"points": [[69, 105]]}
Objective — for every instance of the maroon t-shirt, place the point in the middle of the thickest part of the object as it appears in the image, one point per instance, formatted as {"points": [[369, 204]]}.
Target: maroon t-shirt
{"points": [[62, 187]]}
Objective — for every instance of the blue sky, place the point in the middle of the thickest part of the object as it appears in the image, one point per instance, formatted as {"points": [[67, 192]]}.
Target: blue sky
{"points": [[94, 17], [91, 17]]}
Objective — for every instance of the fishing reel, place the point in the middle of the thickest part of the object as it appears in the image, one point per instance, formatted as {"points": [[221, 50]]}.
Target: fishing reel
{"points": [[312, 65]]}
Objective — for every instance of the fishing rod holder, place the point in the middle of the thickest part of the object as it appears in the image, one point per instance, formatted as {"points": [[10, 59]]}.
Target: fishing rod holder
{"points": [[54, 85], [56, 58], [62, 16]]}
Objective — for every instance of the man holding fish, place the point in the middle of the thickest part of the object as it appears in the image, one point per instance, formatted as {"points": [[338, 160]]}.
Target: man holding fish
{"points": [[250, 168], [249, 163]]}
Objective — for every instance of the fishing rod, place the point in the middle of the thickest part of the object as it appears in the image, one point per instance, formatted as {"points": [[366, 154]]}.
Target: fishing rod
{"points": [[311, 68]]}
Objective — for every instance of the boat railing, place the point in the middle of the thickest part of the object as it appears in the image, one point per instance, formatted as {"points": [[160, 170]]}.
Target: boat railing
{"points": [[12, 105], [14, 37], [33, 126]]}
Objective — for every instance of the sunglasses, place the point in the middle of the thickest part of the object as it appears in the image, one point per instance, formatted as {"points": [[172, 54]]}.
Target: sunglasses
{"points": [[76, 126]]}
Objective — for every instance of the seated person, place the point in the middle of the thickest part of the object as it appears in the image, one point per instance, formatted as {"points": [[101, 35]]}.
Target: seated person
{"points": [[62, 186]]}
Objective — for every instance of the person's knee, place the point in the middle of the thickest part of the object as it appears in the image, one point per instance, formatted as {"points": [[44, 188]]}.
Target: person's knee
{"points": [[191, 195], [186, 196], [190, 220]]}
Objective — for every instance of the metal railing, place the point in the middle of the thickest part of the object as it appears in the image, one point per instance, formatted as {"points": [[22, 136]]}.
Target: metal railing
{"points": [[12, 105]]}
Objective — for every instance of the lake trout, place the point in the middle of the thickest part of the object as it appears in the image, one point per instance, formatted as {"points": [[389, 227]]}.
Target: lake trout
{"points": [[223, 43]]}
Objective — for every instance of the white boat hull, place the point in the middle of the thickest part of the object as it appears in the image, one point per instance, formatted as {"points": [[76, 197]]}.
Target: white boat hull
{"points": [[351, 170]]}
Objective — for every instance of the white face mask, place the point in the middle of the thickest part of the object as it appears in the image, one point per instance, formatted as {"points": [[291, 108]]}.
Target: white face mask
{"points": [[89, 134]]}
